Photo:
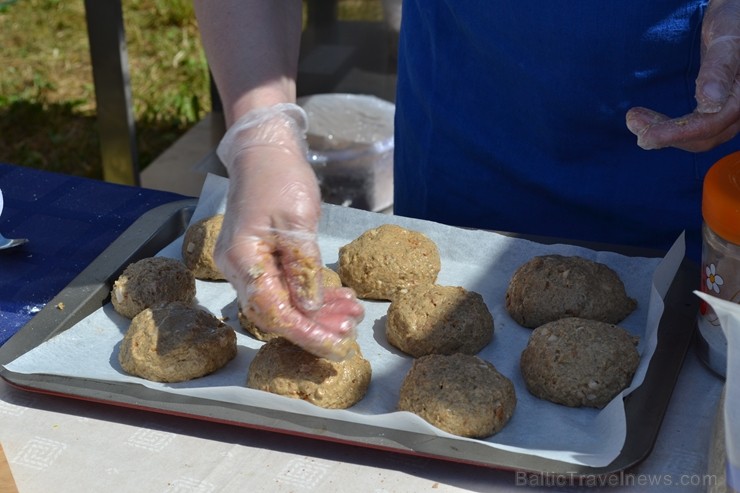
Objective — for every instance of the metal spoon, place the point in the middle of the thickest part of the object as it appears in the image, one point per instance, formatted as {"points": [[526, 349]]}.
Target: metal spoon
{"points": [[6, 243]]}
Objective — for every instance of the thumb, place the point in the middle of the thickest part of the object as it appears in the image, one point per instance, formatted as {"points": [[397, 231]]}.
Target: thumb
{"points": [[720, 60], [717, 74]]}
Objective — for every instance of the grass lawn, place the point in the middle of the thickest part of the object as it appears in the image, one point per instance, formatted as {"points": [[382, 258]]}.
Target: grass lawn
{"points": [[47, 98]]}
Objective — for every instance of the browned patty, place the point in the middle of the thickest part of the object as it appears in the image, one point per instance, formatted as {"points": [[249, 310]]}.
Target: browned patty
{"points": [[459, 393], [285, 369], [551, 287], [578, 362], [434, 319], [174, 342], [198, 245], [150, 281], [388, 260]]}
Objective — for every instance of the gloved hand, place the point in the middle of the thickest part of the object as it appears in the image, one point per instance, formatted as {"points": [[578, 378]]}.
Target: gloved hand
{"points": [[716, 118], [267, 248]]}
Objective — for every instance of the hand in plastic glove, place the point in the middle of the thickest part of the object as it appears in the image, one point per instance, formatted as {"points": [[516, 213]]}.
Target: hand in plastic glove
{"points": [[267, 248], [717, 115]]}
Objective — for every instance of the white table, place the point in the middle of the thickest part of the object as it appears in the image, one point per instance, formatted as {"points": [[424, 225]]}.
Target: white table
{"points": [[57, 444]]}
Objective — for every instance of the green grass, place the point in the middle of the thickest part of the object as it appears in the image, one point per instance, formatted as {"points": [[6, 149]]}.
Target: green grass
{"points": [[47, 98]]}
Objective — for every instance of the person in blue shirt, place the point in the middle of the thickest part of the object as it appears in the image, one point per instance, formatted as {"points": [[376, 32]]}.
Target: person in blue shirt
{"points": [[531, 117]]}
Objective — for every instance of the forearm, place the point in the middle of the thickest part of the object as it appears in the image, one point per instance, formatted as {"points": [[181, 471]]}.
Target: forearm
{"points": [[252, 48]]}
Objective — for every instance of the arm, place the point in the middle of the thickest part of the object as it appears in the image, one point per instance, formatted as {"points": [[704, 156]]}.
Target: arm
{"points": [[267, 248], [716, 118], [252, 48]]}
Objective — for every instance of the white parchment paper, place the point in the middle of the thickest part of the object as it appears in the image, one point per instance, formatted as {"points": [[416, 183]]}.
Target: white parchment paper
{"points": [[477, 260]]}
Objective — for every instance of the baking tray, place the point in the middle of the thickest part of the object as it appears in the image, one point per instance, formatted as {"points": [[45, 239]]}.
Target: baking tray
{"points": [[645, 407]]}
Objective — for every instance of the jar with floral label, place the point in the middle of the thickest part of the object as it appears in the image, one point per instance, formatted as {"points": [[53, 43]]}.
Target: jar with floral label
{"points": [[720, 269]]}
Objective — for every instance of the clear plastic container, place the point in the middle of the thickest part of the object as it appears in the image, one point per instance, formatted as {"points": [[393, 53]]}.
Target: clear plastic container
{"points": [[720, 269], [350, 140]]}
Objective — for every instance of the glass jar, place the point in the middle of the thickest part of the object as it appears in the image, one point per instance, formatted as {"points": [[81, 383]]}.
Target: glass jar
{"points": [[720, 269]]}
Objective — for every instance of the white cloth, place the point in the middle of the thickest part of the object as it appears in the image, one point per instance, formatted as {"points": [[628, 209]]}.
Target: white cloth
{"points": [[70, 446]]}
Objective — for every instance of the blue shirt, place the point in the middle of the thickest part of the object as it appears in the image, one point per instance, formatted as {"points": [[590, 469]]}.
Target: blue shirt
{"points": [[510, 115]]}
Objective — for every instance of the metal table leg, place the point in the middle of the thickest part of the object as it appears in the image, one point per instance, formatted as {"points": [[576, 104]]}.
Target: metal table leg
{"points": [[112, 91]]}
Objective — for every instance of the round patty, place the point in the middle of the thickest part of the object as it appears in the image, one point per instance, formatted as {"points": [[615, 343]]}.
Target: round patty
{"points": [[388, 260], [434, 319], [151, 281], [198, 245], [174, 342], [551, 287], [459, 393], [578, 362], [285, 369]]}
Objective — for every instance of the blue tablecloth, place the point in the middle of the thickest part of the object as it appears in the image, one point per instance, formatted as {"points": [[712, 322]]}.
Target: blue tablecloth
{"points": [[69, 221]]}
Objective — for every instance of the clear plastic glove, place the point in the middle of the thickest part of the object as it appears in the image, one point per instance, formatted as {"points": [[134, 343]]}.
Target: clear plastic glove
{"points": [[268, 246], [716, 118]]}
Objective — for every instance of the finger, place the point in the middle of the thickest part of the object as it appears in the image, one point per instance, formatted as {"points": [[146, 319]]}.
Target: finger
{"points": [[345, 301], [336, 318], [701, 145], [693, 132], [340, 315], [266, 299], [268, 303], [245, 258], [640, 119], [328, 334], [300, 260], [334, 350]]}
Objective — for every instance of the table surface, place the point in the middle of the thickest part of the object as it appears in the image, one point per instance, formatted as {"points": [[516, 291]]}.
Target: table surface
{"points": [[67, 445], [69, 222]]}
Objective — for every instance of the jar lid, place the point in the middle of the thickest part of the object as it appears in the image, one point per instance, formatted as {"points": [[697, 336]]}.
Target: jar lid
{"points": [[721, 198]]}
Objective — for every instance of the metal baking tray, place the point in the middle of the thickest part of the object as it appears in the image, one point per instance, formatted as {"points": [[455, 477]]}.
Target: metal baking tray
{"points": [[645, 407]]}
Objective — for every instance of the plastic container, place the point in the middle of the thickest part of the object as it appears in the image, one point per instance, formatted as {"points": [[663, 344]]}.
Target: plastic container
{"points": [[720, 267], [350, 140]]}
